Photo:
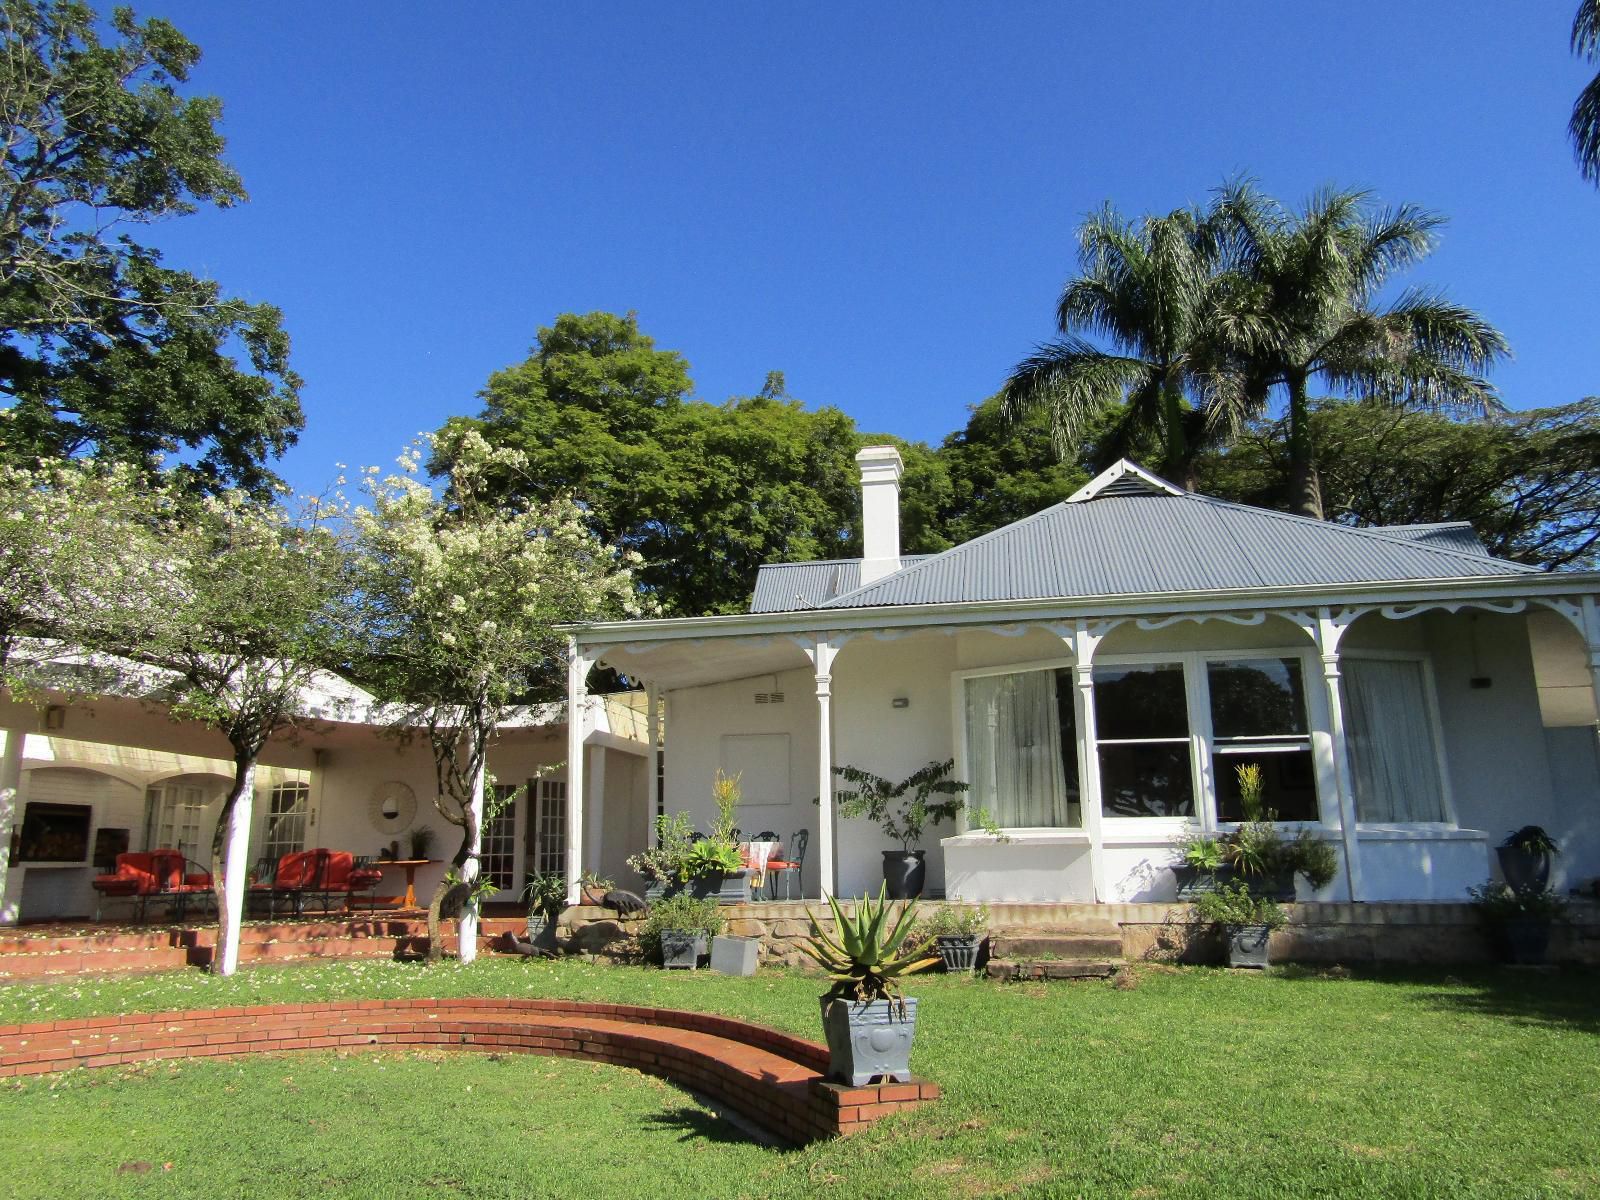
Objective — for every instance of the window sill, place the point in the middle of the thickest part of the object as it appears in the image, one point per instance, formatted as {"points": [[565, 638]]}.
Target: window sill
{"points": [[1031, 837], [1418, 833]]}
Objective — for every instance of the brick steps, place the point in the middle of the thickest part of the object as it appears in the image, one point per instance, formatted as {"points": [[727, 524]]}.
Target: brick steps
{"points": [[772, 1078], [171, 949], [1051, 968], [1044, 953]]}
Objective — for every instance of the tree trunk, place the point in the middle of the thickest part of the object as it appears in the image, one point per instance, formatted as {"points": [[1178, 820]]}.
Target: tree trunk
{"points": [[1177, 446], [1305, 491], [10, 785], [467, 923], [230, 851]]}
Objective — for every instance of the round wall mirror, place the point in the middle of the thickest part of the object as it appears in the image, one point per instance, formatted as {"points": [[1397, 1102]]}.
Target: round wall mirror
{"points": [[392, 807]]}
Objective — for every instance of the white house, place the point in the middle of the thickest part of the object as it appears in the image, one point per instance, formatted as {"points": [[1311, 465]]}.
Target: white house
{"points": [[87, 778], [1097, 670]]}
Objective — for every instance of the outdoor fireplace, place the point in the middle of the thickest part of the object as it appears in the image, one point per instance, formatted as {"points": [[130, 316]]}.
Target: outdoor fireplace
{"points": [[54, 833]]}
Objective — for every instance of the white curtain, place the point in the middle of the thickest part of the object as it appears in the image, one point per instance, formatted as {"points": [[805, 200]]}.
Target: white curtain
{"points": [[1392, 752], [1014, 749]]}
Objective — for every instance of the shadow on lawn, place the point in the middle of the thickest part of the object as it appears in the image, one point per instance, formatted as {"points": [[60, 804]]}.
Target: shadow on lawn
{"points": [[697, 1125], [1555, 998]]}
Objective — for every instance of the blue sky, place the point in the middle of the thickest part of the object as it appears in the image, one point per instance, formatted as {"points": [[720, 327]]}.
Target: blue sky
{"points": [[879, 203]]}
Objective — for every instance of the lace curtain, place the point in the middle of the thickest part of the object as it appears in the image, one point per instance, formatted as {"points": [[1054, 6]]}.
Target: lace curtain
{"points": [[1392, 754], [1014, 749]]}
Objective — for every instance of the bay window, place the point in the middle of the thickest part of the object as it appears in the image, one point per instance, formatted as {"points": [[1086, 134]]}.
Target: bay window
{"points": [[1158, 726]]}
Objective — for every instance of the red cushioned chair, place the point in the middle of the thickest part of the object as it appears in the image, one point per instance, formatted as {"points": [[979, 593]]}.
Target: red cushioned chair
{"points": [[141, 875], [322, 875]]}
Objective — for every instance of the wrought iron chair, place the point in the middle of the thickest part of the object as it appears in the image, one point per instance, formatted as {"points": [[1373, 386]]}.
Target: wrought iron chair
{"points": [[793, 859]]}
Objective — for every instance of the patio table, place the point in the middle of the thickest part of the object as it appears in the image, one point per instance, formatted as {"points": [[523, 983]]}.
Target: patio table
{"points": [[755, 855], [409, 900]]}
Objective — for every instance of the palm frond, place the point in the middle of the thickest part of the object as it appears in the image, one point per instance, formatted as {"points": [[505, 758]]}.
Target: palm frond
{"points": [[1584, 128]]}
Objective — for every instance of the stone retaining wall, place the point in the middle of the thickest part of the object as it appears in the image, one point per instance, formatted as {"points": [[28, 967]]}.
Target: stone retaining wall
{"points": [[1358, 934]]}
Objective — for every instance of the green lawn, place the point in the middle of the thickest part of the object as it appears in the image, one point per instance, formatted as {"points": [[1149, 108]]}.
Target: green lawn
{"points": [[1192, 1083]]}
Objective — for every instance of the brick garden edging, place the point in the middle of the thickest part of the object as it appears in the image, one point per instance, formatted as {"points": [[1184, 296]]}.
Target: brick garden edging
{"points": [[772, 1078]]}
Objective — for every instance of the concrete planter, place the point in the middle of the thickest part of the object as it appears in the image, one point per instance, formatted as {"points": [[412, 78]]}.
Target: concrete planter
{"points": [[960, 954], [734, 955], [869, 1040], [681, 950], [733, 888], [1247, 945], [1193, 881]]}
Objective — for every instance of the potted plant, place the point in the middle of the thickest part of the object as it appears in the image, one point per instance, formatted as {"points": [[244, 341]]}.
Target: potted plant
{"points": [[1247, 919], [1256, 851], [868, 1023], [1520, 919], [902, 817], [662, 864], [594, 886], [713, 868], [1201, 867], [1525, 858], [678, 929], [421, 841], [957, 934], [546, 894]]}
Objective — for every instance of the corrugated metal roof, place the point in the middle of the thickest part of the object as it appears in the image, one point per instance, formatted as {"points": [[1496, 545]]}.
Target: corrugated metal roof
{"points": [[1133, 542], [1451, 535], [790, 587]]}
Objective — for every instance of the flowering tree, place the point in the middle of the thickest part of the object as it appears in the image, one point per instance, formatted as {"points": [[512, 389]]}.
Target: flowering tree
{"points": [[462, 597], [62, 532], [241, 606]]}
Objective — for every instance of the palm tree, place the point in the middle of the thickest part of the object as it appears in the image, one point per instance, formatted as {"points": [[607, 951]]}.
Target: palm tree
{"points": [[1585, 124], [1152, 290], [1313, 279]]}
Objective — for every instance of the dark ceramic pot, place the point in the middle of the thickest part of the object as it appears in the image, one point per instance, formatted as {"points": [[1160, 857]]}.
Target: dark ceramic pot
{"points": [[960, 954], [1525, 870], [904, 871], [681, 951], [724, 889]]}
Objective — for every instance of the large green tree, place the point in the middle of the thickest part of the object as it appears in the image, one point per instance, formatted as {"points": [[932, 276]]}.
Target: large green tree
{"points": [[1584, 126], [103, 349], [1312, 283], [1529, 482], [1143, 324], [705, 493]]}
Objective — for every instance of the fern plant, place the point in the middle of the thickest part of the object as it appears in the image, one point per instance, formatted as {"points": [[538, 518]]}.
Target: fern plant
{"points": [[870, 952]]}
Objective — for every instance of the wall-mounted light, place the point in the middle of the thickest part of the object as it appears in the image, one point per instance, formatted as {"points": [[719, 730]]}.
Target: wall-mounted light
{"points": [[55, 717], [900, 702]]}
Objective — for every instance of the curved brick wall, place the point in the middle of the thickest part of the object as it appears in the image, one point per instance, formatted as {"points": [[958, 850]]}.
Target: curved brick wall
{"points": [[772, 1078]]}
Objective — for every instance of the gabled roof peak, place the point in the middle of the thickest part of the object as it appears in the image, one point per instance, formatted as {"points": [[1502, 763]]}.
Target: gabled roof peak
{"points": [[1125, 478]]}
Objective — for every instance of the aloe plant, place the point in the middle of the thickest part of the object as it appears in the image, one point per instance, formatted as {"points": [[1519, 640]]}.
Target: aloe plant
{"points": [[869, 954]]}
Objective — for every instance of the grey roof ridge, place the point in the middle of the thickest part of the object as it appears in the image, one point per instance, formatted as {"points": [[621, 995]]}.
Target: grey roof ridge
{"points": [[1416, 525], [835, 562], [934, 558], [1368, 531]]}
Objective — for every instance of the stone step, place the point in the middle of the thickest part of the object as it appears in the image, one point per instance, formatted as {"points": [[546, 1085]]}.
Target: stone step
{"points": [[1051, 968], [1047, 944]]}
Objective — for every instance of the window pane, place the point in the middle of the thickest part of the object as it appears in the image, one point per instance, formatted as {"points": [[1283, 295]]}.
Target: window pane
{"points": [[1069, 747], [1151, 780], [1144, 701], [1288, 783], [1258, 697]]}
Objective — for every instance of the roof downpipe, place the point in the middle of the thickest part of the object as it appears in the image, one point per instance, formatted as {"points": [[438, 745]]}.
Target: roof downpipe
{"points": [[881, 469]]}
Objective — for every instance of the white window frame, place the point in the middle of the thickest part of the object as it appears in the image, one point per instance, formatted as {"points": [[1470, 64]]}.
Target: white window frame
{"points": [[267, 841], [1140, 830], [1430, 698]]}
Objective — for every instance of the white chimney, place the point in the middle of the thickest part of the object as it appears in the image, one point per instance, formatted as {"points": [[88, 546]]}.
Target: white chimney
{"points": [[880, 512]]}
